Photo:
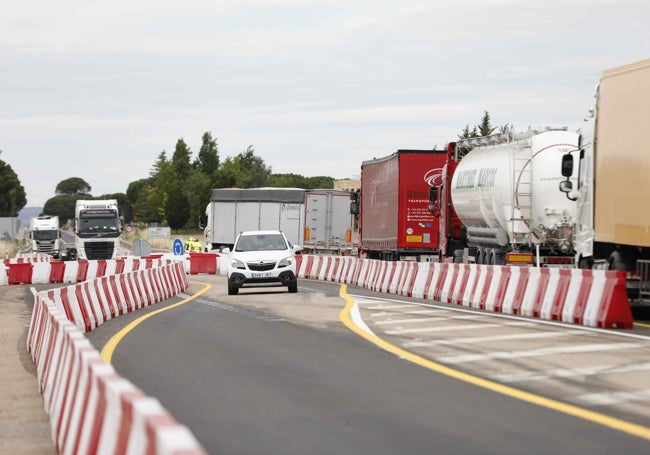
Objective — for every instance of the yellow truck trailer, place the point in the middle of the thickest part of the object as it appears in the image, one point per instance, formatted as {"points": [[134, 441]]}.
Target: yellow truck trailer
{"points": [[612, 180]]}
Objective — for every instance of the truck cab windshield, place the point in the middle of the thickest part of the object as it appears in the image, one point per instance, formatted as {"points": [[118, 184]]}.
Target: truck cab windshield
{"points": [[97, 225], [46, 235]]}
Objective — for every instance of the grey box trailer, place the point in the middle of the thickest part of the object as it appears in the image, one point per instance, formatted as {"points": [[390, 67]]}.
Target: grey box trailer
{"points": [[232, 210], [329, 225]]}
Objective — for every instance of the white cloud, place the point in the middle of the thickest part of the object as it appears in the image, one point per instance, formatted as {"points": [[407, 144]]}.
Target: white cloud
{"points": [[97, 89]]}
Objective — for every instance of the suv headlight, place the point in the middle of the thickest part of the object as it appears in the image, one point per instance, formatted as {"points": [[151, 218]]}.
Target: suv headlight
{"points": [[286, 262], [237, 264]]}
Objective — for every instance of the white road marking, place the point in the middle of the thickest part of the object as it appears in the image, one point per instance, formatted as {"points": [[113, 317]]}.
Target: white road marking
{"points": [[380, 314], [513, 336], [570, 372], [386, 307], [405, 321], [459, 327], [539, 352], [607, 399], [539, 322]]}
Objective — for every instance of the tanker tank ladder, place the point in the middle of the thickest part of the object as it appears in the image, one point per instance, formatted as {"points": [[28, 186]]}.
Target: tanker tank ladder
{"points": [[521, 213]]}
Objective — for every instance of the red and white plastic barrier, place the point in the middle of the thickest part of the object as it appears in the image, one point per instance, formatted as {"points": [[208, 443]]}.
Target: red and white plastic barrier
{"points": [[92, 409], [594, 298]]}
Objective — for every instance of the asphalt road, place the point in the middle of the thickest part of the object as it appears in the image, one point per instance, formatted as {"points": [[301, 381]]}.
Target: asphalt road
{"points": [[272, 372]]}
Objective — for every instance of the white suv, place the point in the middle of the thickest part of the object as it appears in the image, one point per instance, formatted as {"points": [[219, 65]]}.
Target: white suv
{"points": [[262, 258]]}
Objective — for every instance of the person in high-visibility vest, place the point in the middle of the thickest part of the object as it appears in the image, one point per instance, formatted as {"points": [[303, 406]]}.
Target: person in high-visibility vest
{"points": [[193, 245]]}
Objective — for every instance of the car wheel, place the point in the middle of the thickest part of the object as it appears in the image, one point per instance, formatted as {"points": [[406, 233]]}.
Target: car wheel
{"points": [[232, 290], [293, 287]]}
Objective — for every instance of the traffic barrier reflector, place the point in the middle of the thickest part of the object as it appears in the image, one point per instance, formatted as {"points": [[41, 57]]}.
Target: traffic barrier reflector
{"points": [[203, 263]]}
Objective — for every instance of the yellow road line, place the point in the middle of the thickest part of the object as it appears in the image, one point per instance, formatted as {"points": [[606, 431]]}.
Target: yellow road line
{"points": [[640, 324], [109, 348], [611, 422]]}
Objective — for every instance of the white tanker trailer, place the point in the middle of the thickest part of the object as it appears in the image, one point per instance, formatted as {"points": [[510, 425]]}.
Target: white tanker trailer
{"points": [[505, 192]]}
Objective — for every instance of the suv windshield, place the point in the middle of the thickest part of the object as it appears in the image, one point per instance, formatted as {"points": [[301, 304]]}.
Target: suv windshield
{"points": [[261, 242]]}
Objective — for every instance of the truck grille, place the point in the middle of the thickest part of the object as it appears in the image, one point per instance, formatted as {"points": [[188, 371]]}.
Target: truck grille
{"points": [[46, 247], [260, 266], [99, 250]]}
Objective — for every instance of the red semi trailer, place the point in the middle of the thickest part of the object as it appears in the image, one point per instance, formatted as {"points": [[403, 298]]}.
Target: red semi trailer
{"points": [[395, 217]]}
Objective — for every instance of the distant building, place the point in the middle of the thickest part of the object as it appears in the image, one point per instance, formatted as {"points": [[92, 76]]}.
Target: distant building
{"points": [[347, 184]]}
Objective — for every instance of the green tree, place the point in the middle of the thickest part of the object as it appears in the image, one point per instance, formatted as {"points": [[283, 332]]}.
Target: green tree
{"points": [[72, 185], [133, 192], [320, 182], [228, 175], [145, 209], [208, 158], [181, 160], [485, 128], [62, 206], [12, 194], [159, 165], [197, 190], [468, 133], [162, 186], [243, 171], [177, 209], [286, 181]]}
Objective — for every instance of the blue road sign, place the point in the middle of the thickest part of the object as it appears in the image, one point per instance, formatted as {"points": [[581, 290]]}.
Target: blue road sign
{"points": [[178, 247]]}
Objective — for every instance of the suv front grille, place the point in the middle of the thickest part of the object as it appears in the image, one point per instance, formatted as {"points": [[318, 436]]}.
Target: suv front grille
{"points": [[260, 266]]}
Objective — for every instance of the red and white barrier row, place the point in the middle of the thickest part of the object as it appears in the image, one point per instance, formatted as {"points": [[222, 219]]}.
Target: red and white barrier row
{"points": [[30, 257], [92, 409], [24, 271], [594, 298]]}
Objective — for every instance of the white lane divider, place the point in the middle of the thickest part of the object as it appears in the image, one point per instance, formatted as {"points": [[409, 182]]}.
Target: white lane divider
{"points": [[571, 372], [509, 337], [540, 352], [611, 398], [458, 327]]}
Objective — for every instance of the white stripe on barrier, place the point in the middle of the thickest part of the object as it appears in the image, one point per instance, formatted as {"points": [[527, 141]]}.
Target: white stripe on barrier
{"points": [[448, 284], [572, 295], [41, 272], [474, 296], [490, 300], [421, 280], [511, 290], [114, 388], [596, 292], [393, 281], [4, 277], [470, 286], [551, 294], [531, 292], [70, 273]]}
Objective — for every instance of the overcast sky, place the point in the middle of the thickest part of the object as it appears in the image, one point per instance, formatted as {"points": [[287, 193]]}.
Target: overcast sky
{"points": [[97, 89]]}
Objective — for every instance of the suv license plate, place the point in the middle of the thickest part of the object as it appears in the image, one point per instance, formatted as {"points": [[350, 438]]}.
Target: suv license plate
{"points": [[261, 274]]}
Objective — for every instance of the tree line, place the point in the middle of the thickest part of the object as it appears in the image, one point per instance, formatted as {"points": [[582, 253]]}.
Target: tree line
{"points": [[178, 188], [175, 193]]}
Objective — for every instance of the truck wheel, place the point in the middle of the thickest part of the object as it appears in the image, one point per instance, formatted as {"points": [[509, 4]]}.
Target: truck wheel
{"points": [[232, 290], [293, 288]]}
